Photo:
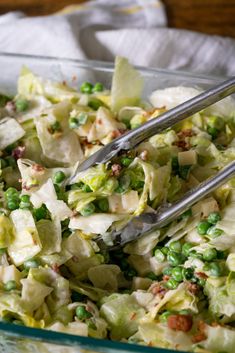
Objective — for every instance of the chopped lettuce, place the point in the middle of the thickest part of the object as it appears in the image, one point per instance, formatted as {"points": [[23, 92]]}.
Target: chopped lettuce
{"points": [[14, 132]]}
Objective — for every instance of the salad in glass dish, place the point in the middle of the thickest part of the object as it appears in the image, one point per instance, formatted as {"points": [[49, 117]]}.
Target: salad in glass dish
{"points": [[173, 288]]}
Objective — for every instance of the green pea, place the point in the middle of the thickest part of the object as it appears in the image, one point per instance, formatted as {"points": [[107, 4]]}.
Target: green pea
{"points": [[40, 213], [210, 254], [137, 184], [11, 192], [203, 227], [213, 132], [164, 316], [172, 283], [186, 248], [13, 204], [3, 163], [10, 285], [175, 246], [152, 276], [25, 201], [126, 161], [175, 258], [177, 274], [165, 250], [21, 104], [95, 103], [167, 271], [159, 255], [73, 123], [88, 210], [187, 273], [3, 251], [103, 204], [98, 87], [86, 87], [32, 263], [59, 177], [214, 217], [215, 269], [82, 314], [135, 126], [214, 232]]}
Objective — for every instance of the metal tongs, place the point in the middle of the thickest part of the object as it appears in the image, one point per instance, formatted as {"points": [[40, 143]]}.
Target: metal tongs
{"points": [[147, 222]]}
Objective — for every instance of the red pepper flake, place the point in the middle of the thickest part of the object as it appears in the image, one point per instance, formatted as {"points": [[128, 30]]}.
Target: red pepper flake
{"points": [[133, 316], [116, 169], [144, 155], [18, 152], [199, 337], [201, 275], [55, 268]]}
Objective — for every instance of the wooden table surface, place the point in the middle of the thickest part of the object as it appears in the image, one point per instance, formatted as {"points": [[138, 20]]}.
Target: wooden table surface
{"points": [[208, 16]]}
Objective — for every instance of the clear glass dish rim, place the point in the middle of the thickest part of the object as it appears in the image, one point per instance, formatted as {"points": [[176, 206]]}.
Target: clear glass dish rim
{"points": [[74, 340]]}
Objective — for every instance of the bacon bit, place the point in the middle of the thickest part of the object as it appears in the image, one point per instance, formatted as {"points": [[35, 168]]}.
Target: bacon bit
{"points": [[181, 144], [55, 268], [201, 326], [201, 275], [199, 337], [150, 344], [180, 322], [74, 78], [64, 83], [185, 133], [99, 121], [116, 169], [133, 316], [158, 289], [10, 107], [28, 187], [144, 155], [18, 152], [74, 214], [166, 278], [193, 288], [117, 133], [38, 168]]}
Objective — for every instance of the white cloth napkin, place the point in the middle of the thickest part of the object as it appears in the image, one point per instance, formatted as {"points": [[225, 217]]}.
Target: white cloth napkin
{"points": [[102, 29]]}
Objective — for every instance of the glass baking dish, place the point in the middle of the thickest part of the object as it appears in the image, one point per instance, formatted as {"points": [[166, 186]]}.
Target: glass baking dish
{"points": [[20, 339]]}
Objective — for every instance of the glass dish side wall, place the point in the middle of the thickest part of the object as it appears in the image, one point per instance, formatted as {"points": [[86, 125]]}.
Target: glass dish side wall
{"points": [[19, 339]]}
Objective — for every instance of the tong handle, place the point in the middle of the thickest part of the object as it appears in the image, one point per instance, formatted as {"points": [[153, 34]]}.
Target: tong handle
{"points": [[175, 115], [196, 194]]}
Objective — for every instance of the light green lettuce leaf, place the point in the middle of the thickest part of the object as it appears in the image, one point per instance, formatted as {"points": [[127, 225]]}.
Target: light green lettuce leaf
{"points": [[14, 132], [26, 243], [50, 236], [105, 276], [10, 273], [122, 313], [6, 231], [127, 85], [219, 339], [73, 328], [143, 245]]}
